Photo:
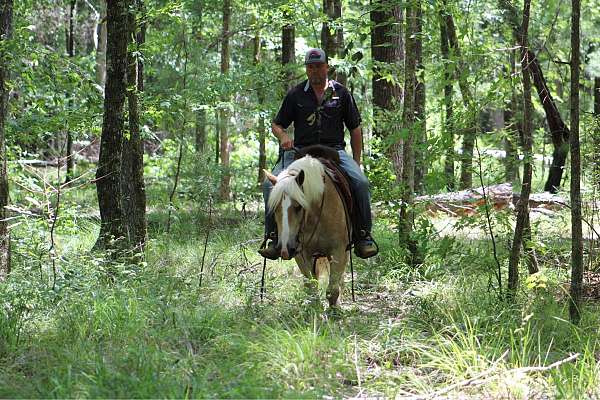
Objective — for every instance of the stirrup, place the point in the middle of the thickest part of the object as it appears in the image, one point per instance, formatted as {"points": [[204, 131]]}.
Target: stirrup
{"points": [[272, 251]]}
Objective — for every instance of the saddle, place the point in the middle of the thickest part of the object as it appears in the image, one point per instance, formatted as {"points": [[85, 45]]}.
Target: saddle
{"points": [[330, 158]]}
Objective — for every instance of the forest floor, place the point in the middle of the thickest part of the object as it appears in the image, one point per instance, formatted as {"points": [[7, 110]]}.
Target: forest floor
{"points": [[128, 329]]}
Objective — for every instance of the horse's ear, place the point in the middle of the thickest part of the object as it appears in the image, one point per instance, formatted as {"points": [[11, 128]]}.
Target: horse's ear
{"points": [[270, 176], [300, 178]]}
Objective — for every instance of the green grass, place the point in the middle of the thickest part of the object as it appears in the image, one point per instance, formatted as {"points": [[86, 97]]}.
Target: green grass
{"points": [[149, 330]]}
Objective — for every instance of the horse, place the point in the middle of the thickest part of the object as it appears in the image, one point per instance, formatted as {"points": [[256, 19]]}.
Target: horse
{"points": [[313, 223]]}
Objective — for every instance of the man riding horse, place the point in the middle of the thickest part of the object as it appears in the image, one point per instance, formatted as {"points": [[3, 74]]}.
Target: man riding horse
{"points": [[319, 108]]}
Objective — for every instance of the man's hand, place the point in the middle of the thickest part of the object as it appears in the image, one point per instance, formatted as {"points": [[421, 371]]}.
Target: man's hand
{"points": [[284, 140]]}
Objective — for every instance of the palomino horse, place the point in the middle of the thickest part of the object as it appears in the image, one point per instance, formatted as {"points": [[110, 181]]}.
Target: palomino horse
{"points": [[312, 222]]}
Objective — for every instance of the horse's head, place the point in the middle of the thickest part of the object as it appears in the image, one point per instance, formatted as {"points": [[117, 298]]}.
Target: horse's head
{"points": [[296, 191]]}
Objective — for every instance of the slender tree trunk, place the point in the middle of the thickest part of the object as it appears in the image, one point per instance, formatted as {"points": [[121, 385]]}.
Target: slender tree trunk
{"points": [[596, 135], [262, 135], [101, 49], [597, 96], [224, 189], [71, 52], [466, 159], [333, 42], [576, 228], [288, 54], [217, 134], [6, 13], [511, 162], [558, 129], [448, 128], [408, 122], [523, 204], [421, 123], [133, 190], [111, 144], [200, 133]]}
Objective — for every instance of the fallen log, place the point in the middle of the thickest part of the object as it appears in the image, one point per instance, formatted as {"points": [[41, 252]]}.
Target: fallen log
{"points": [[466, 202]]}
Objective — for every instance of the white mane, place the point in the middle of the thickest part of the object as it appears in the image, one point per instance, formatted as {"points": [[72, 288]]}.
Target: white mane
{"points": [[312, 188]]}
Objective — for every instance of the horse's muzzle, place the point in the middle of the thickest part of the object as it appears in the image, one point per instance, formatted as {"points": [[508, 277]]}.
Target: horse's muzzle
{"points": [[288, 254]]}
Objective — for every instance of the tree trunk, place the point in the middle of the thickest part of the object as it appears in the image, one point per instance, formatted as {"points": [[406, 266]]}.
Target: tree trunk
{"points": [[133, 191], [558, 129], [448, 128], [101, 49], [111, 143], [333, 43], [511, 140], [421, 118], [224, 189], [262, 136], [217, 133], [387, 51], [71, 52], [523, 204], [597, 96], [576, 229], [466, 164], [200, 133], [596, 135], [288, 54], [408, 123], [6, 13]]}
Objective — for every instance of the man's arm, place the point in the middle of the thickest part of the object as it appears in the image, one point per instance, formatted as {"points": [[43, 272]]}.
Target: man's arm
{"points": [[356, 143], [282, 136]]}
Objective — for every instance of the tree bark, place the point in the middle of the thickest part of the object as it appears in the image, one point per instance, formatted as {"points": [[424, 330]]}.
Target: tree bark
{"points": [[224, 188], [408, 123], [387, 50], [200, 133], [288, 54], [71, 52], [511, 140], [558, 129], [333, 43], [448, 128], [421, 118], [6, 14], [576, 228], [101, 49], [133, 190], [262, 131], [111, 143], [523, 204], [596, 135], [466, 159]]}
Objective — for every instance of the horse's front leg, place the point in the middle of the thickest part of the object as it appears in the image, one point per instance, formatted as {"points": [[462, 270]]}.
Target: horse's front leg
{"points": [[311, 284], [336, 277]]}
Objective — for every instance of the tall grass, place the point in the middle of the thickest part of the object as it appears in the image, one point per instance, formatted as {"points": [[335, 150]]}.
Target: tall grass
{"points": [[149, 330]]}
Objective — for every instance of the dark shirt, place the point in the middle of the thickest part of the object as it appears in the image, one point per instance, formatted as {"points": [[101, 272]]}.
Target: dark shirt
{"points": [[314, 124]]}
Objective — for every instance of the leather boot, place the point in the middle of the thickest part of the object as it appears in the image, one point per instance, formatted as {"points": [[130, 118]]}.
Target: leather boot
{"points": [[272, 250], [365, 246]]}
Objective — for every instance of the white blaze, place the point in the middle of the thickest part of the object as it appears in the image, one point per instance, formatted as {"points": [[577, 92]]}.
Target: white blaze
{"points": [[285, 234]]}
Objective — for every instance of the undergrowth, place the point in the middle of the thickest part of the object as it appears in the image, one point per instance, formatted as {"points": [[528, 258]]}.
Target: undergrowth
{"points": [[149, 329]]}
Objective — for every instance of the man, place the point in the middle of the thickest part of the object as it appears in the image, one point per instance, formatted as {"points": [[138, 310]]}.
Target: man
{"points": [[319, 109]]}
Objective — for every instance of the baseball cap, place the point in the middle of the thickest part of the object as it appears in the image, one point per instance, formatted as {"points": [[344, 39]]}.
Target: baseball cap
{"points": [[314, 56]]}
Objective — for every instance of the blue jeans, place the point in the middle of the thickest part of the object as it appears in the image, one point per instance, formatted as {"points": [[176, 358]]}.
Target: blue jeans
{"points": [[359, 186]]}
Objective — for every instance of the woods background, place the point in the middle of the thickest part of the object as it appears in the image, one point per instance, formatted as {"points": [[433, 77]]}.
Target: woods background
{"points": [[133, 138]]}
